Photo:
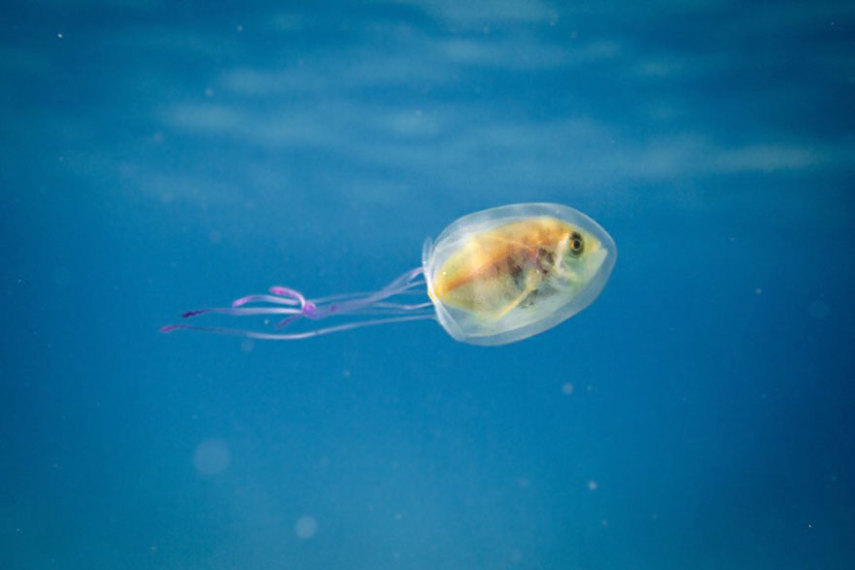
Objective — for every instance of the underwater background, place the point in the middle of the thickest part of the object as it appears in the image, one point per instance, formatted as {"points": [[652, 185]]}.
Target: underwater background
{"points": [[165, 156]]}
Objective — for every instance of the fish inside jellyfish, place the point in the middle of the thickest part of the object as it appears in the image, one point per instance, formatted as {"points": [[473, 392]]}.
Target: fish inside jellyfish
{"points": [[490, 278]]}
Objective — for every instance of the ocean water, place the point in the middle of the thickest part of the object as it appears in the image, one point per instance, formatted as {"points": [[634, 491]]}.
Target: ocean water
{"points": [[160, 156]]}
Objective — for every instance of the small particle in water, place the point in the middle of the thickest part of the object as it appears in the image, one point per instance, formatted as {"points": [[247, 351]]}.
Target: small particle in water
{"points": [[567, 388], [592, 485], [59, 36], [306, 527], [211, 456], [247, 345], [758, 291]]}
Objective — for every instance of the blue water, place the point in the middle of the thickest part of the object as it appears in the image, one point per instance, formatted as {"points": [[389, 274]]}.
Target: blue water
{"points": [[159, 157]]}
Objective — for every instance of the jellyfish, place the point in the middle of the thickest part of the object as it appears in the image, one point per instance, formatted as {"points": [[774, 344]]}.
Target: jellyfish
{"points": [[493, 277]]}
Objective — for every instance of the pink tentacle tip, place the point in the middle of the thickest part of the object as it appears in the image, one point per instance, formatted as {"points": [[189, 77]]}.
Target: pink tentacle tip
{"points": [[279, 290], [240, 302], [287, 321], [189, 314], [167, 328]]}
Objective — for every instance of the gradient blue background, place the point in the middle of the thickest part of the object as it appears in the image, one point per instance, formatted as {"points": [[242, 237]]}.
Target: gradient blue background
{"points": [[161, 156]]}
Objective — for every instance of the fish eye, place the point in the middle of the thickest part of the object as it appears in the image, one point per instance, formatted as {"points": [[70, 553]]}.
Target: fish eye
{"points": [[577, 243]]}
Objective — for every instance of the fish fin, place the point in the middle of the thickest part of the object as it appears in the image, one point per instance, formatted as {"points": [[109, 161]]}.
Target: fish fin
{"points": [[532, 282]]}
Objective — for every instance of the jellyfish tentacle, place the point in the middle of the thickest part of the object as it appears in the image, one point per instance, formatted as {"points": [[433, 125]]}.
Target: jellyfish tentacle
{"points": [[384, 309], [292, 303], [293, 336], [362, 294], [403, 307], [356, 305], [241, 311], [264, 299]]}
